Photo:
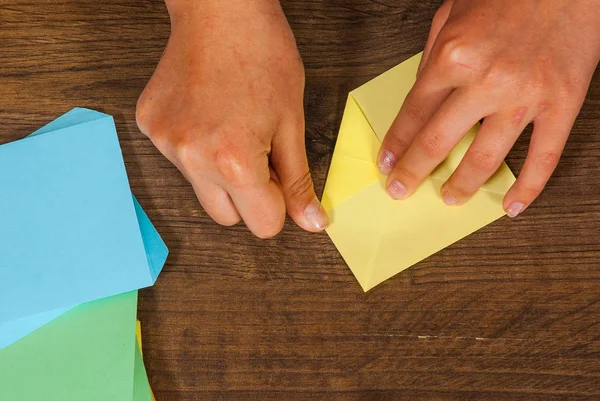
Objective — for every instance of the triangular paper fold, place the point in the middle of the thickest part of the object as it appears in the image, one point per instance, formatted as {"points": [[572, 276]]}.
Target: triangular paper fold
{"points": [[352, 165]]}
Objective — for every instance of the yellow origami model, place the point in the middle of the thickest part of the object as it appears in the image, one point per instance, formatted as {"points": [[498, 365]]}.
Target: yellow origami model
{"points": [[377, 236]]}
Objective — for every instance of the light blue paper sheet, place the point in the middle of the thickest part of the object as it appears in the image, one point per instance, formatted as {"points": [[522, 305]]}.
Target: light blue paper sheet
{"points": [[70, 231], [156, 252], [14, 330]]}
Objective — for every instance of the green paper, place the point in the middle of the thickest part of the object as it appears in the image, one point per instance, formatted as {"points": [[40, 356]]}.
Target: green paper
{"points": [[141, 386], [86, 354]]}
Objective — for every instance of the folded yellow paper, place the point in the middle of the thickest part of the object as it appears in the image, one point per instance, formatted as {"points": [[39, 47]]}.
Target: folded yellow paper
{"points": [[377, 236]]}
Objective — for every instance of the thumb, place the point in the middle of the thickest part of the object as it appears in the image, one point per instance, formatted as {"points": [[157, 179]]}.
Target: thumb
{"points": [[288, 157]]}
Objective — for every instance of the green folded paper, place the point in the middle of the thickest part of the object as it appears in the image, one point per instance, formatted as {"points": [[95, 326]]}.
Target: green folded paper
{"points": [[90, 353]]}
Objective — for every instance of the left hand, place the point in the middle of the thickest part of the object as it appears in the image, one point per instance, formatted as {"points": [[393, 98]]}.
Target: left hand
{"points": [[225, 105], [511, 62]]}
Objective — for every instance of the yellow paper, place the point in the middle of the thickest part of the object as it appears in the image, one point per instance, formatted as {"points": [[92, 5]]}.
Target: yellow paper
{"points": [[377, 236], [138, 335]]}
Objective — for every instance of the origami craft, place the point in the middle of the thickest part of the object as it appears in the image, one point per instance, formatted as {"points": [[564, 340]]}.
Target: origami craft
{"points": [[377, 236], [70, 230], [155, 251]]}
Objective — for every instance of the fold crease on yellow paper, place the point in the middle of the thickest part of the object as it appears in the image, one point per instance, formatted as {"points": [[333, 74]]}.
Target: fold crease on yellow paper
{"points": [[352, 166], [377, 236]]}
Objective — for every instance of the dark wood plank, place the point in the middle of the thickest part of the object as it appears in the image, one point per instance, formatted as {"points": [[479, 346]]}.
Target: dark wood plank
{"points": [[510, 313]]}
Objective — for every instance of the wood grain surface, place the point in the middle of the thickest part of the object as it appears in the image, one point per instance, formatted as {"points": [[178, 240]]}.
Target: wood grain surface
{"points": [[510, 313]]}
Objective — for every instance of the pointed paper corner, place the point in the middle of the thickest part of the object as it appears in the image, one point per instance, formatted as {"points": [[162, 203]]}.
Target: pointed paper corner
{"points": [[156, 249], [75, 116], [365, 277], [366, 285]]}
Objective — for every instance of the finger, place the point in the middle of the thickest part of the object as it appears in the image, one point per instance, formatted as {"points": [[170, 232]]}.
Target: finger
{"points": [[257, 197], [547, 143], [216, 202], [438, 22], [288, 157], [494, 140], [420, 104], [455, 117], [262, 208]]}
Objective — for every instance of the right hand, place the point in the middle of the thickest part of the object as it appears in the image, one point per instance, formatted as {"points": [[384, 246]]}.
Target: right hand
{"points": [[507, 62], [225, 105]]}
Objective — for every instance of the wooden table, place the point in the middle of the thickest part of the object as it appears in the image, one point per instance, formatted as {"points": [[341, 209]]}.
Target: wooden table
{"points": [[510, 313]]}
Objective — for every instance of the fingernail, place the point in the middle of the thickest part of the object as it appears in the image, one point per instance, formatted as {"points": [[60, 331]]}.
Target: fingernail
{"points": [[397, 190], [515, 209], [449, 199], [316, 216], [386, 162]]}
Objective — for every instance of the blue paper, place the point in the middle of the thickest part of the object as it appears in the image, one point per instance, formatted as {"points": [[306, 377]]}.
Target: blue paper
{"points": [[14, 330], [70, 231], [156, 252]]}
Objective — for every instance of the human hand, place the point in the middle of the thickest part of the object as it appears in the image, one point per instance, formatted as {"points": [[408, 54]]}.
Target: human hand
{"points": [[510, 62], [225, 105]]}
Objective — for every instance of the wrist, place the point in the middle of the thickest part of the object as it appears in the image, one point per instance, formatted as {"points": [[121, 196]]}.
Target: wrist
{"points": [[190, 9], [186, 9]]}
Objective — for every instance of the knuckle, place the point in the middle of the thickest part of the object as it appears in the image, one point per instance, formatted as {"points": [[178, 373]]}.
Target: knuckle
{"points": [[414, 111], [405, 175], [452, 52], [431, 144], [484, 161], [143, 116], [460, 191], [232, 166], [531, 191], [458, 186], [143, 122], [300, 186], [547, 161], [572, 86], [498, 75], [397, 143], [543, 107], [154, 126], [462, 184], [186, 149]]}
